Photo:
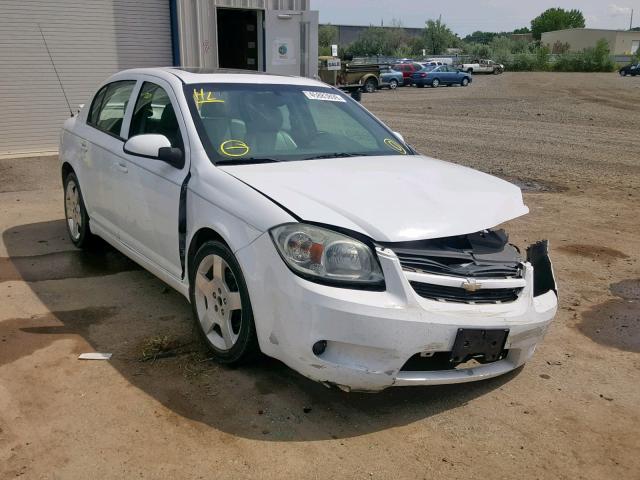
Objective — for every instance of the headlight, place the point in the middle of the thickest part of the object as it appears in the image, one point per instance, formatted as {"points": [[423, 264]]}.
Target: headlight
{"points": [[325, 256]]}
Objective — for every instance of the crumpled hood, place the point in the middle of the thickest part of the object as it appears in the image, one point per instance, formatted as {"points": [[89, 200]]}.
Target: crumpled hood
{"points": [[389, 198]]}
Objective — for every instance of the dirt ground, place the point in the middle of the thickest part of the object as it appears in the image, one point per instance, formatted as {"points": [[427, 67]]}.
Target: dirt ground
{"points": [[160, 409]]}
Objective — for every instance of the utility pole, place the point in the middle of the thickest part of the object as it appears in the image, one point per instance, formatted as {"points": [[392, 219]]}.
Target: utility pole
{"points": [[631, 21]]}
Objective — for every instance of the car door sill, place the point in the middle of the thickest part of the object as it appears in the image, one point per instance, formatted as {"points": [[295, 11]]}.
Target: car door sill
{"points": [[140, 259]]}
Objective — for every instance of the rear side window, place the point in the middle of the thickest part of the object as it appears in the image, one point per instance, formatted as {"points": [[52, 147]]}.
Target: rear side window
{"points": [[109, 106], [154, 113]]}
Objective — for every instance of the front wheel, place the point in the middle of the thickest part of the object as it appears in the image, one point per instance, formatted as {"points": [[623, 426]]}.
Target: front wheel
{"points": [[623, 73], [435, 83], [75, 213], [464, 82], [221, 306]]}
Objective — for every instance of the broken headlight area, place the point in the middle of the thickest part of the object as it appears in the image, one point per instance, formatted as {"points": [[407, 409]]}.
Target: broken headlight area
{"points": [[477, 268]]}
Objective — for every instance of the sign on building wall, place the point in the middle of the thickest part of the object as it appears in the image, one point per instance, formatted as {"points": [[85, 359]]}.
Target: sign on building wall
{"points": [[283, 52]]}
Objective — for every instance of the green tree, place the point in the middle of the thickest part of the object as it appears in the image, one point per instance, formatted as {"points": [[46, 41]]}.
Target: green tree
{"points": [[386, 41], [556, 19], [438, 37], [480, 37], [327, 36], [522, 30]]}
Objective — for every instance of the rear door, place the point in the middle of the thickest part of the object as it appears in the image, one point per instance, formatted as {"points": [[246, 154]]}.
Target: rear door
{"points": [[103, 168], [150, 214]]}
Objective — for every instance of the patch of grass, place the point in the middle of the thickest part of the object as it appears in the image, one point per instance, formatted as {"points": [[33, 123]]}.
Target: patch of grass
{"points": [[161, 346]]}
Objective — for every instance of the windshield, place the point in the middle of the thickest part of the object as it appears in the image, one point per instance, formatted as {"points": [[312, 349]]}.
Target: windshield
{"points": [[244, 123], [428, 68]]}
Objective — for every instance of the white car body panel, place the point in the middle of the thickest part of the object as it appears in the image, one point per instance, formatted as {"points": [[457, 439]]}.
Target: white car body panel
{"points": [[134, 204], [390, 199]]}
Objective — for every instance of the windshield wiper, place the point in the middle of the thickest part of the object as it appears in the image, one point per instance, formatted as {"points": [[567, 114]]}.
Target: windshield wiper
{"points": [[248, 161], [336, 155]]}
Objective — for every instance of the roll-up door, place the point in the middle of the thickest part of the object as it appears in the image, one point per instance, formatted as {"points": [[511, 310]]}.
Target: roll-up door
{"points": [[88, 40]]}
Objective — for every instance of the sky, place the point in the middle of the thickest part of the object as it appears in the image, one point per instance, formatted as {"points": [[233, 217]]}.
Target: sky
{"points": [[466, 16]]}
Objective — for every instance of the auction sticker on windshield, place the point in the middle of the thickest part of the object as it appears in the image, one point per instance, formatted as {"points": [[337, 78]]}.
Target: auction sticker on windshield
{"points": [[327, 97]]}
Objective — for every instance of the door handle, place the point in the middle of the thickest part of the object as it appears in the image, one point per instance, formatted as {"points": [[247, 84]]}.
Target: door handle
{"points": [[122, 167]]}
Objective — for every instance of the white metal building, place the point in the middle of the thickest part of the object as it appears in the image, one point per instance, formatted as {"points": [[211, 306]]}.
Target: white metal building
{"points": [[91, 39]]}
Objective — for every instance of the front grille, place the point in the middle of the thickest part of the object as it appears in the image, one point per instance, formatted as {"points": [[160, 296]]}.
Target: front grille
{"points": [[455, 266], [460, 295]]}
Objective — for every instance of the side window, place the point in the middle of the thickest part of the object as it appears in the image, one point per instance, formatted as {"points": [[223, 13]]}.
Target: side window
{"points": [[113, 100], [92, 119], [154, 113]]}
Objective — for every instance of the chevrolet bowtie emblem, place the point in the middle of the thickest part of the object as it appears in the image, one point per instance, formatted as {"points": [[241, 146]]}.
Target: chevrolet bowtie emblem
{"points": [[471, 285]]}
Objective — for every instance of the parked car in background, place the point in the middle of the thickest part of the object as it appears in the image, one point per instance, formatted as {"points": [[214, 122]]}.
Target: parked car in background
{"points": [[407, 69], [300, 226], [390, 78], [442, 75], [631, 69], [482, 66]]}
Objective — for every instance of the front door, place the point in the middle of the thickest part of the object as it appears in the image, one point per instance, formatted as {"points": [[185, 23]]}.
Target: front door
{"points": [[149, 220]]}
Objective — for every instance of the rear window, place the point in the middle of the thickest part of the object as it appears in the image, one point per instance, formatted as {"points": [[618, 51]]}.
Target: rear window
{"points": [[109, 106]]}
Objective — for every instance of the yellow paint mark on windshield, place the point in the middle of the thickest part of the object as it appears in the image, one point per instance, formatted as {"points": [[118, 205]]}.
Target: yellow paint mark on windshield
{"points": [[395, 146], [201, 97], [234, 148]]}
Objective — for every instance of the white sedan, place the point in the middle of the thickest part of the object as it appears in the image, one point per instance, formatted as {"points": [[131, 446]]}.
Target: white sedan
{"points": [[300, 226]]}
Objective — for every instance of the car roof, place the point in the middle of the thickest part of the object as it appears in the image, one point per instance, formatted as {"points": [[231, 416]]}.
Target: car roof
{"points": [[189, 75]]}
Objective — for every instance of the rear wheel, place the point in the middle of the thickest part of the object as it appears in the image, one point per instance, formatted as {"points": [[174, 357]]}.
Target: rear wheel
{"points": [[464, 82], [75, 213], [435, 83], [393, 84], [623, 73], [221, 305], [469, 71], [370, 85]]}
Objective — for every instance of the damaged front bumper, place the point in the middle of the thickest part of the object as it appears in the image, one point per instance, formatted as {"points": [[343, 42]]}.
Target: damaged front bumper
{"points": [[367, 340]]}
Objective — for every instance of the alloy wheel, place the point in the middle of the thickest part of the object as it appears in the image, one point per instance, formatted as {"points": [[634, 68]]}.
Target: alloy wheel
{"points": [[218, 302], [72, 209]]}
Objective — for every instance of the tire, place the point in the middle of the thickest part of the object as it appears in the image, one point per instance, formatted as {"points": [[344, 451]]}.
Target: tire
{"points": [[221, 305], [464, 82], [393, 84], [75, 213], [435, 83], [370, 85], [469, 71], [623, 73]]}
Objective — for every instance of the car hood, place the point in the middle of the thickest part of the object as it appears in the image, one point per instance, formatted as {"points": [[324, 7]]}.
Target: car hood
{"points": [[388, 198]]}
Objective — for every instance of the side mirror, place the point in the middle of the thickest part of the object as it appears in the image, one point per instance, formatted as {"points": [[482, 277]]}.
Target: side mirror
{"points": [[399, 137], [157, 147]]}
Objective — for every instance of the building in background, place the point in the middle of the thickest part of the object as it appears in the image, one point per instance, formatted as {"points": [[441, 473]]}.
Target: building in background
{"points": [[621, 42], [349, 33], [91, 39]]}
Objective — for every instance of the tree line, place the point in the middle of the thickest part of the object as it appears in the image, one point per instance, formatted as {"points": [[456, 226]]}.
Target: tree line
{"points": [[517, 52]]}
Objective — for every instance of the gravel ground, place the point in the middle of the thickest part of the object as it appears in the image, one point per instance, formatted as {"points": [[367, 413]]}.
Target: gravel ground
{"points": [[571, 141]]}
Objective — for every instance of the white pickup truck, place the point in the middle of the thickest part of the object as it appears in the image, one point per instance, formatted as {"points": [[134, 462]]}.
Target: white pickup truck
{"points": [[482, 66]]}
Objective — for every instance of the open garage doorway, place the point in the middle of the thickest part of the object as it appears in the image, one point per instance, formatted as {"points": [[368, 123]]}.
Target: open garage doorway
{"points": [[239, 38]]}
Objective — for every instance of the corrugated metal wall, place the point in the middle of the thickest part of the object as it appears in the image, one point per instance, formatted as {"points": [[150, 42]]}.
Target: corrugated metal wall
{"points": [[88, 39]]}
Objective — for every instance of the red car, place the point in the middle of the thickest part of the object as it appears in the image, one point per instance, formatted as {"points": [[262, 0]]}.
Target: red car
{"points": [[407, 69]]}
